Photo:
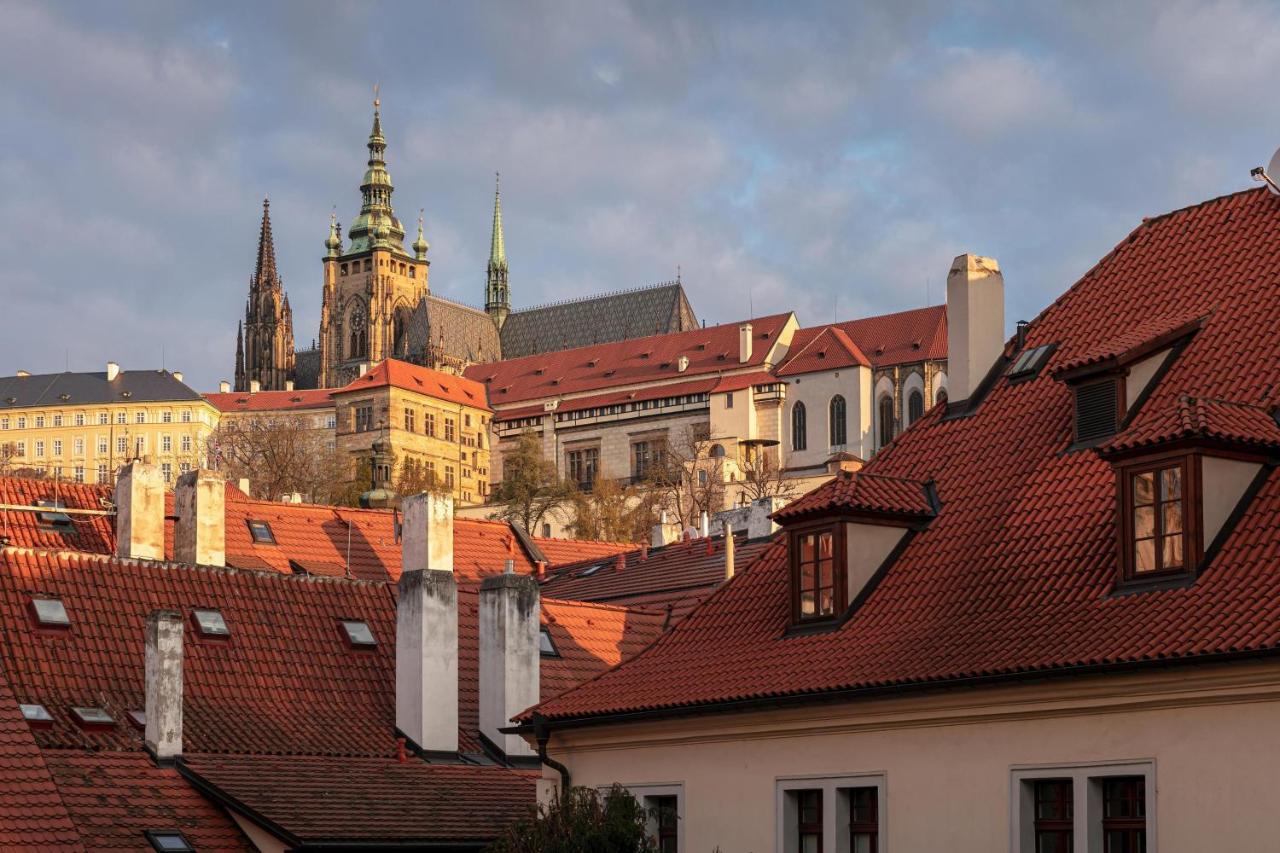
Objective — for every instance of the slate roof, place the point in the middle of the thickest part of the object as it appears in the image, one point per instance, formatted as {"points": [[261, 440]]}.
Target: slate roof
{"points": [[81, 389], [463, 332], [637, 313], [270, 401], [306, 368], [1015, 574], [422, 380]]}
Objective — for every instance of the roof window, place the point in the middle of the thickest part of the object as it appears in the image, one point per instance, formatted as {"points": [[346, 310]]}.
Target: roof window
{"points": [[92, 717], [36, 714], [1029, 362], [138, 719], [546, 646], [358, 633], [54, 519], [590, 570], [168, 840], [210, 623], [50, 613], [261, 532]]}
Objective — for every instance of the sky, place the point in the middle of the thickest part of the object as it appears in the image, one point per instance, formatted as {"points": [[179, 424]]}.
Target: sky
{"points": [[829, 159]]}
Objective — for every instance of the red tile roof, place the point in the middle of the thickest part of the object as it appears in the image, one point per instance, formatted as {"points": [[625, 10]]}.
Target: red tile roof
{"points": [[271, 401], [366, 801], [821, 348], [902, 338], [1015, 574], [85, 533], [423, 380], [710, 350], [32, 814], [590, 638], [1145, 335], [564, 551], [1199, 419], [863, 492]]}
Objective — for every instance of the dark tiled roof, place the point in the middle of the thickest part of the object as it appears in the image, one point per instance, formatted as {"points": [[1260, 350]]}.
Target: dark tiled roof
{"points": [[463, 332], [306, 368], [863, 492], [48, 389], [1016, 572], [636, 313]]}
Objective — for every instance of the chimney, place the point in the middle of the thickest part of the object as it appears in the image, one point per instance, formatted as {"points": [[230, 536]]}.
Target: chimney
{"points": [[427, 626], [288, 385], [661, 534], [23, 374], [728, 550], [163, 709], [744, 343], [254, 386], [243, 485], [224, 387], [364, 368], [975, 322], [113, 370], [177, 374], [705, 529], [682, 364], [509, 656], [759, 524], [140, 512], [200, 533]]}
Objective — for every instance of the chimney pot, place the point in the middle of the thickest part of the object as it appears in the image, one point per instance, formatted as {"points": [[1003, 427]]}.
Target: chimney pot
{"points": [[163, 731], [706, 525], [113, 370], [728, 550], [975, 322], [200, 533], [428, 533], [288, 385], [745, 343], [224, 387], [140, 512], [509, 656], [254, 386], [177, 374]]}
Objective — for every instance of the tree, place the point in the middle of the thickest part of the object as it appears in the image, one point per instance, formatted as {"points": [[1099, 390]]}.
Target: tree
{"points": [[689, 477], [279, 456], [613, 512], [531, 486], [763, 477], [583, 821]]}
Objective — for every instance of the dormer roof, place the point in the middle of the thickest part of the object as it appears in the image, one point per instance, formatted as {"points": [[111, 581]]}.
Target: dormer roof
{"points": [[866, 495], [1200, 421]]}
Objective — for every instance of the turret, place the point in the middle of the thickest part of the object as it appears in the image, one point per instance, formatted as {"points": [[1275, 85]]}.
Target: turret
{"points": [[497, 296], [420, 245], [333, 244]]}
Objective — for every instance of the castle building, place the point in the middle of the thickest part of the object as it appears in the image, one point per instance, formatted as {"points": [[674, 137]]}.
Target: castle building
{"points": [[264, 343]]}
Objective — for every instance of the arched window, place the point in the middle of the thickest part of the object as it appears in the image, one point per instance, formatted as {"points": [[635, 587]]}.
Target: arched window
{"points": [[799, 436], [915, 407], [886, 419], [717, 451], [838, 431], [359, 334]]}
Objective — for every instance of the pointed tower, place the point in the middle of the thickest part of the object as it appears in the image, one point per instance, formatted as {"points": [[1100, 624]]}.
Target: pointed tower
{"points": [[497, 298], [266, 353], [242, 381]]}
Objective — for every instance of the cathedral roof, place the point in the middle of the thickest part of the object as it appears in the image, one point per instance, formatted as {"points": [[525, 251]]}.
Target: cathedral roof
{"points": [[460, 331], [603, 319]]}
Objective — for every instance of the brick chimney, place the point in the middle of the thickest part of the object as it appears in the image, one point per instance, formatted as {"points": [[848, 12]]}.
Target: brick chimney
{"points": [[745, 340], [509, 656], [427, 626], [140, 512], [975, 322], [163, 732], [200, 533]]}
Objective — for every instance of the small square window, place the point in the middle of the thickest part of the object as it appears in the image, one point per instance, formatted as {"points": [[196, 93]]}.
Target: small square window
{"points": [[56, 519], [546, 646], [138, 719], [168, 840], [36, 715], [358, 633], [210, 623], [1028, 364], [261, 533], [88, 716], [50, 613]]}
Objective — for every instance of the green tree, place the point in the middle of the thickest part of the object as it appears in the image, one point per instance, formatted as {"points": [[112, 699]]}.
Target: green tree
{"points": [[584, 821], [531, 487], [613, 512]]}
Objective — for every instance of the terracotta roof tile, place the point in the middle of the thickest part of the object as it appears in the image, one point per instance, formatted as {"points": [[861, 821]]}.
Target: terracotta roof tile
{"points": [[1148, 331], [1237, 424], [823, 348], [901, 338], [85, 532], [271, 401], [423, 380], [32, 814], [863, 492], [590, 638], [565, 551]]}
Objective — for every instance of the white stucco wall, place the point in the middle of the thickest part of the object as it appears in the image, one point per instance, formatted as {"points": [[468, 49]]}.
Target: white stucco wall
{"points": [[815, 390]]}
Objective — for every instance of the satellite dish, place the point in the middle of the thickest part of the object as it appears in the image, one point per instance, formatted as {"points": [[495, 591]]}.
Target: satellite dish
{"points": [[1273, 170]]}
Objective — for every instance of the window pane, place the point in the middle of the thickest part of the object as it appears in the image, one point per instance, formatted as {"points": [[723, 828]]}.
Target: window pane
{"points": [[806, 604], [1173, 551], [1171, 483], [809, 844], [1144, 522], [806, 549], [1172, 517], [1143, 490], [824, 546], [1144, 555]]}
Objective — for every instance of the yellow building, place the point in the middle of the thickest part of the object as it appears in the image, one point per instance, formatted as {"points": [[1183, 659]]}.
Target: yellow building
{"points": [[434, 420], [83, 426]]}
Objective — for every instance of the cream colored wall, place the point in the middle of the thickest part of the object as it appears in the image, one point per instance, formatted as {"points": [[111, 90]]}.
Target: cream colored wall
{"points": [[867, 546], [815, 390], [948, 757], [731, 425], [1140, 375], [1223, 483]]}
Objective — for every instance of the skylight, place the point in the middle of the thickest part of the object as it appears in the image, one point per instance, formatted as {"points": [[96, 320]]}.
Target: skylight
{"points": [[36, 714], [168, 840], [210, 623], [50, 613], [261, 532], [1028, 364], [57, 519], [90, 716], [138, 718], [358, 633], [546, 647], [591, 570]]}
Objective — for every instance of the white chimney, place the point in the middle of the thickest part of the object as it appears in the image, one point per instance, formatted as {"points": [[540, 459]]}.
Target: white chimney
{"points": [[744, 343], [224, 387], [163, 709], [113, 370], [364, 368], [975, 322], [243, 485], [427, 626], [288, 385], [140, 512], [728, 549], [254, 386], [177, 374], [759, 524], [661, 533], [682, 364], [509, 656], [200, 533], [705, 529]]}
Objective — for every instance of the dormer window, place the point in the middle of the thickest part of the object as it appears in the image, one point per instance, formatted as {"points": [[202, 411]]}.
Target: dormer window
{"points": [[1156, 520], [817, 572]]}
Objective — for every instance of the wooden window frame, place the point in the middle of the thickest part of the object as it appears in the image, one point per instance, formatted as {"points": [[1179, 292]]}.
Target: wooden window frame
{"points": [[1059, 826], [869, 827], [1126, 823], [1192, 511], [811, 828], [840, 594]]}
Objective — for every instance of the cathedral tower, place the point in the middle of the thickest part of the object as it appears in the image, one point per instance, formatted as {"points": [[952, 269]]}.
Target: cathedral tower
{"points": [[371, 288], [264, 346], [497, 298]]}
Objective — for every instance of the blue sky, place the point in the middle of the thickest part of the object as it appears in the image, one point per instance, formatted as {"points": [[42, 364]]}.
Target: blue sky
{"points": [[813, 157]]}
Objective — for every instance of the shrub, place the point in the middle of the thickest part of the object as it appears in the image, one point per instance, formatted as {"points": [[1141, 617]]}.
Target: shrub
{"points": [[582, 822]]}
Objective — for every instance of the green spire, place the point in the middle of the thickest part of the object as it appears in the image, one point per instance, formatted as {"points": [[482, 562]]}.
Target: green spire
{"points": [[497, 297], [420, 246], [497, 247], [377, 225], [334, 241]]}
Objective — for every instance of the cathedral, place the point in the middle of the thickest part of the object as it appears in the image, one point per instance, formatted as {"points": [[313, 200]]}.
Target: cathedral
{"points": [[377, 303]]}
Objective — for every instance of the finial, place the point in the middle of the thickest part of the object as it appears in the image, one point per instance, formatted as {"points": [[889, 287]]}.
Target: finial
{"points": [[377, 102], [266, 202], [420, 212], [677, 273], [497, 182]]}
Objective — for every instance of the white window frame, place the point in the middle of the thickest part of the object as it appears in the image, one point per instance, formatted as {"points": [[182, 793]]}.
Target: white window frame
{"points": [[657, 789], [1086, 792], [835, 808]]}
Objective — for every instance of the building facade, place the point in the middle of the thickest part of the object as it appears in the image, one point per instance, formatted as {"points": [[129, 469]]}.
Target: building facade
{"points": [[83, 426], [264, 342], [434, 421]]}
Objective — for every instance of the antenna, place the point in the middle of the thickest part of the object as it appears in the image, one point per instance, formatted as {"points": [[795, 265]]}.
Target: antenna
{"points": [[1264, 175]]}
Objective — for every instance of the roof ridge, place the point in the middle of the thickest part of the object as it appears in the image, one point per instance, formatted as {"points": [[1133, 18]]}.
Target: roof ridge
{"points": [[608, 293], [459, 303], [1196, 398], [600, 605]]}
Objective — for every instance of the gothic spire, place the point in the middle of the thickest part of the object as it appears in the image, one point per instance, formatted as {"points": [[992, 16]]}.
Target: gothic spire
{"points": [[264, 273], [377, 225], [497, 297], [497, 245], [241, 381]]}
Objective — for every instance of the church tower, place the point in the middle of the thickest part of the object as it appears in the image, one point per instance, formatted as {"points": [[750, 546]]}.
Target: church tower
{"points": [[497, 298], [371, 287], [264, 345]]}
